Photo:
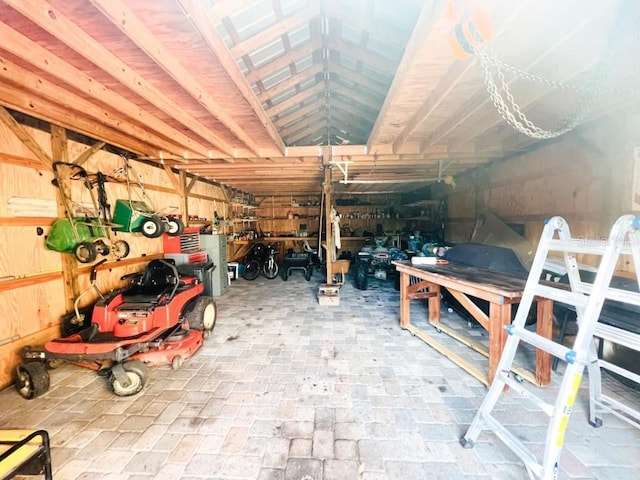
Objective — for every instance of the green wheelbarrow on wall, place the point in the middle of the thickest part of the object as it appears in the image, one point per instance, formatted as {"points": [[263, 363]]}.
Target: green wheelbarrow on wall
{"points": [[138, 215], [84, 234]]}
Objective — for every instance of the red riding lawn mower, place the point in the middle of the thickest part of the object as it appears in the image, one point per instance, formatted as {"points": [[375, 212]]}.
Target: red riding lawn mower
{"points": [[161, 320]]}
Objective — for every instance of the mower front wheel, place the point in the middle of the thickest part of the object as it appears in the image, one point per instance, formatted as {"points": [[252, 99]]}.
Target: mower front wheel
{"points": [[138, 374], [32, 379], [152, 227], [203, 315], [85, 252], [174, 226], [120, 248]]}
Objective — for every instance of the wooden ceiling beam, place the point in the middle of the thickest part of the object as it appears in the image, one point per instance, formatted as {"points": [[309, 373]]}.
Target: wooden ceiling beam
{"points": [[429, 15], [350, 116], [310, 130], [32, 53], [52, 20], [304, 95], [225, 8], [357, 78], [445, 86], [320, 115], [295, 55], [54, 113], [286, 120], [135, 29], [343, 11], [369, 58], [272, 33], [209, 33], [355, 96], [111, 123], [290, 83]]}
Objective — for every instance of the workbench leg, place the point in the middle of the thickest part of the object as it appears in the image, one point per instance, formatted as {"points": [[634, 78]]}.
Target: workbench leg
{"points": [[544, 328], [499, 317], [405, 301], [434, 304]]}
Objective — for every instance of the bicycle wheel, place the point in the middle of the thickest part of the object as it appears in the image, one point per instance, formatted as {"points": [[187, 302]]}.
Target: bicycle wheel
{"points": [[251, 270], [270, 268]]}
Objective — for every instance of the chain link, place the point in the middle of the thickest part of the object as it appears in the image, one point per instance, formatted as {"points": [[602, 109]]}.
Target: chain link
{"points": [[510, 111]]}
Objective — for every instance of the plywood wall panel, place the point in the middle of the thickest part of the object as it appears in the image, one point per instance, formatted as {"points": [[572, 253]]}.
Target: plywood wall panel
{"points": [[585, 177]]}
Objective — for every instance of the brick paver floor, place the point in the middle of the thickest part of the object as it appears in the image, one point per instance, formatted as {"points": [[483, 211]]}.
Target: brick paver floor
{"points": [[286, 389]]}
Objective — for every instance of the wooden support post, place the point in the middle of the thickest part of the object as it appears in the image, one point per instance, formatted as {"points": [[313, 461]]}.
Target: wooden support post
{"points": [[326, 191], [184, 197], [25, 138], [88, 153], [69, 263]]}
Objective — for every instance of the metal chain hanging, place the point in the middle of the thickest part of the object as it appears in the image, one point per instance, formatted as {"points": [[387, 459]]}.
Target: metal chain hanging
{"points": [[590, 92], [510, 111]]}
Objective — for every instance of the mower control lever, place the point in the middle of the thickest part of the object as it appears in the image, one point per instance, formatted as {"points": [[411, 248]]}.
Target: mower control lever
{"points": [[94, 273]]}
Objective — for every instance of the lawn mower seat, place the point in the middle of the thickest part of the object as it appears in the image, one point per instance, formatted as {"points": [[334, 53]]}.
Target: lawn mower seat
{"points": [[158, 279]]}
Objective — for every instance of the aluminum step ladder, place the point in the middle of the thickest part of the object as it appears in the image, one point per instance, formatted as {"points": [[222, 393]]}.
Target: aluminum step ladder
{"points": [[588, 299]]}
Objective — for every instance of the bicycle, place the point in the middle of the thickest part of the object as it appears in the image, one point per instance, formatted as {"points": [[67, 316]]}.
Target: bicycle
{"points": [[261, 258]]}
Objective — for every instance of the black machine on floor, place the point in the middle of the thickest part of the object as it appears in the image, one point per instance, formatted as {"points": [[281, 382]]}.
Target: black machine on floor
{"points": [[376, 261], [161, 320], [489, 257]]}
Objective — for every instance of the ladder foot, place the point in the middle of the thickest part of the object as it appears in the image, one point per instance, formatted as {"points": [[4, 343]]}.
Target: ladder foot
{"points": [[596, 423], [466, 443]]}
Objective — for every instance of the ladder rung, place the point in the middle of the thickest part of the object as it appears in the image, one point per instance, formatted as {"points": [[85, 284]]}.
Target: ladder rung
{"points": [[618, 335], [561, 295], [577, 245], [538, 341], [518, 388]]}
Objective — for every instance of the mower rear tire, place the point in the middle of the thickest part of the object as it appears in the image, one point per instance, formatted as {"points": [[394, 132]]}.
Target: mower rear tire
{"points": [[174, 226], [32, 379], [138, 374], [203, 315], [362, 275], [251, 270], [120, 248], [308, 272], [85, 252], [152, 227]]}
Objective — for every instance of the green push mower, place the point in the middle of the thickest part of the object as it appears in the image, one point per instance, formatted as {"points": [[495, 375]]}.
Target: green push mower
{"points": [[138, 215], [85, 232]]}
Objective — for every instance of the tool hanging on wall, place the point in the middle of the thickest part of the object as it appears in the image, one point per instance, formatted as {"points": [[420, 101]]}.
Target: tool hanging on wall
{"points": [[86, 229]]}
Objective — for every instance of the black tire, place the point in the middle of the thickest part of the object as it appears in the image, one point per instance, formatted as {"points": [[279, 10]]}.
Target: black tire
{"points": [[120, 248], [203, 315], [251, 270], [270, 269], [101, 247], [362, 275], [174, 226], [32, 379], [308, 272], [85, 252], [138, 373], [152, 227], [285, 274]]}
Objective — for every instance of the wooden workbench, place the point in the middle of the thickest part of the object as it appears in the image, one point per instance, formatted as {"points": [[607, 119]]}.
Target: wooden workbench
{"points": [[500, 290]]}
